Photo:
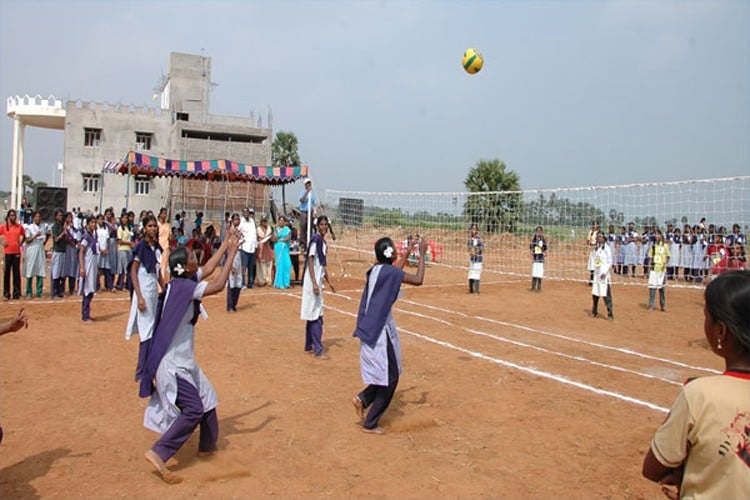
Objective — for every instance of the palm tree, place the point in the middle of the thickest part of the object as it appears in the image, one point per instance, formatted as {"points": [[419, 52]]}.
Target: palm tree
{"points": [[500, 205], [284, 150]]}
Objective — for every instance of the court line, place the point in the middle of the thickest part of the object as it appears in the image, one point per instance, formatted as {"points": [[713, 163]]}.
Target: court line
{"points": [[525, 369], [621, 350]]}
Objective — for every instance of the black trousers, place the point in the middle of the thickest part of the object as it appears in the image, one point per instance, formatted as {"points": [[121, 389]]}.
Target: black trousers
{"points": [[378, 397], [12, 268]]}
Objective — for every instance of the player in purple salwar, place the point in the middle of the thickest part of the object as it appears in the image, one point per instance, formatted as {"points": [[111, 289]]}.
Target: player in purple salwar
{"points": [[380, 350], [181, 396]]}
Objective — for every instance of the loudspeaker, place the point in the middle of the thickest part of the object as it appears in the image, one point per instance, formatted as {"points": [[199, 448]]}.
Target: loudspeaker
{"points": [[350, 211], [48, 199]]}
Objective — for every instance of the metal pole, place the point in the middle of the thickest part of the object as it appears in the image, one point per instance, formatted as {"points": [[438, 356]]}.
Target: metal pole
{"points": [[21, 189], [14, 168]]}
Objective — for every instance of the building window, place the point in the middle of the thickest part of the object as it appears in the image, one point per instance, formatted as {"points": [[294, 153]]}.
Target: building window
{"points": [[182, 117], [143, 140], [92, 137], [142, 185], [91, 183]]}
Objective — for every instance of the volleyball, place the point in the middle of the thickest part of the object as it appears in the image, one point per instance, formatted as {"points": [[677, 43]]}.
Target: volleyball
{"points": [[472, 61]]}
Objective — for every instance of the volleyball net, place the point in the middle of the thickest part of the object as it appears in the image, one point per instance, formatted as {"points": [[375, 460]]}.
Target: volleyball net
{"points": [[507, 220]]}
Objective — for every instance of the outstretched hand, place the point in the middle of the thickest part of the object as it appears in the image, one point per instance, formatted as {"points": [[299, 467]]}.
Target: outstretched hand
{"points": [[15, 324]]}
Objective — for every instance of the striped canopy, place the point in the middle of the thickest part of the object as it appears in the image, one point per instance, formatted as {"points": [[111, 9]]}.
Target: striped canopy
{"points": [[152, 166]]}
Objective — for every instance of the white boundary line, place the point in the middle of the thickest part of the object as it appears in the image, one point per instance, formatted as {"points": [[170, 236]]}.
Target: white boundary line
{"points": [[532, 371]]}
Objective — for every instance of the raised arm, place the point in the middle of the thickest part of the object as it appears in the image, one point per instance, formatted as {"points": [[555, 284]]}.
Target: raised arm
{"points": [[209, 266], [418, 277], [230, 247]]}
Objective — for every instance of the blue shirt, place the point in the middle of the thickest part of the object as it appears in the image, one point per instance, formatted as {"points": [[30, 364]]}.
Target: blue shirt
{"points": [[304, 206]]}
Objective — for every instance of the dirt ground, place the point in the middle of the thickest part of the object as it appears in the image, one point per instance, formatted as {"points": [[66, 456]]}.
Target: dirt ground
{"points": [[508, 394]]}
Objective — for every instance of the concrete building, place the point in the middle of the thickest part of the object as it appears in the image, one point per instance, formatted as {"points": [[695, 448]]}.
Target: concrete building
{"points": [[181, 127]]}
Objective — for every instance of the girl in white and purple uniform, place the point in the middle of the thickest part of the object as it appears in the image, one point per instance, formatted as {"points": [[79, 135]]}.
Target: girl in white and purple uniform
{"points": [[87, 261]]}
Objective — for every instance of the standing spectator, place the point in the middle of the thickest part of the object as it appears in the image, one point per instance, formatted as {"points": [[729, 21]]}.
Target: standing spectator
{"points": [[601, 287], [234, 282], [674, 241], [307, 204], [699, 252], [145, 275], [34, 259], [538, 253], [13, 235], [476, 247], [224, 227], [199, 222], [283, 234], [591, 243], [70, 264], [249, 245], [659, 256], [701, 449], [311, 309], [294, 252], [717, 256], [686, 253], [87, 263], [631, 250], [265, 253], [57, 262], [622, 241], [101, 257], [124, 252], [735, 237], [164, 234]]}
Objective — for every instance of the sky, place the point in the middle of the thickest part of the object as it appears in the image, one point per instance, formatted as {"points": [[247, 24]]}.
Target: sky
{"points": [[573, 93]]}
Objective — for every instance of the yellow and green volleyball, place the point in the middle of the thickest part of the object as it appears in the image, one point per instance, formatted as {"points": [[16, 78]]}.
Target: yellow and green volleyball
{"points": [[472, 61]]}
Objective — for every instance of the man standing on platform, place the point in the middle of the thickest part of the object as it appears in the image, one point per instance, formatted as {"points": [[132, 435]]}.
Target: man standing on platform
{"points": [[307, 203]]}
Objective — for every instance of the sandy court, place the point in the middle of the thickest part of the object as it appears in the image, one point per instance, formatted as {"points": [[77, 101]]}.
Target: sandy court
{"points": [[504, 394]]}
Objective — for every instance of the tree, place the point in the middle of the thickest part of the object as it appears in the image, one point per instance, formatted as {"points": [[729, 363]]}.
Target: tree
{"points": [[284, 150], [29, 189], [501, 204]]}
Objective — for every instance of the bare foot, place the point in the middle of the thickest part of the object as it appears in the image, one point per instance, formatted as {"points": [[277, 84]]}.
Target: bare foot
{"points": [[376, 430], [205, 454], [359, 407], [161, 468]]}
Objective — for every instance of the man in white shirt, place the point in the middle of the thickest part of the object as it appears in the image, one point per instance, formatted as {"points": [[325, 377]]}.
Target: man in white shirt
{"points": [[249, 246]]}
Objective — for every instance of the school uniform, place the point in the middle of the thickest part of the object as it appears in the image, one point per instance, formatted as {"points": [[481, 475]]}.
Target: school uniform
{"points": [[181, 396], [380, 349], [538, 249], [87, 285], [699, 253], [476, 247], [70, 262], [103, 261], [142, 322], [234, 282], [311, 309], [34, 258], [124, 256], [659, 255], [673, 241], [631, 251], [601, 286], [686, 256]]}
